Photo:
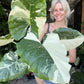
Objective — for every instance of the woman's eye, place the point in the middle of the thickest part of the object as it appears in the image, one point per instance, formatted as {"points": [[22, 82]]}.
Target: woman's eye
{"points": [[55, 10]]}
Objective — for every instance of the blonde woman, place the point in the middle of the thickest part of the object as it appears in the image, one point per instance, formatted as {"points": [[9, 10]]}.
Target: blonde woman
{"points": [[59, 12]]}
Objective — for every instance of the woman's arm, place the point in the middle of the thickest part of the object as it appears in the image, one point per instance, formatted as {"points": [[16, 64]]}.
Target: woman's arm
{"points": [[72, 56]]}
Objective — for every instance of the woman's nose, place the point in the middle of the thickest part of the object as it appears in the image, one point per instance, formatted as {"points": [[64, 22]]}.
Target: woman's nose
{"points": [[58, 12]]}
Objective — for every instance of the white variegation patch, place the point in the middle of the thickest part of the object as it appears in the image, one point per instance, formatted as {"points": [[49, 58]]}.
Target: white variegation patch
{"points": [[40, 21], [31, 36], [73, 43], [58, 53], [21, 13], [5, 41], [9, 57], [37, 11]]}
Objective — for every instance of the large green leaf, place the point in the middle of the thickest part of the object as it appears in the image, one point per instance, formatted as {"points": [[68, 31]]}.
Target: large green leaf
{"points": [[45, 65], [11, 67], [4, 40], [71, 38], [26, 13], [35, 55]]}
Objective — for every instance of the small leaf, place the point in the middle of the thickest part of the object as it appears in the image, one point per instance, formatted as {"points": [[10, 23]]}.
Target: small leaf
{"points": [[71, 38], [4, 40], [11, 67]]}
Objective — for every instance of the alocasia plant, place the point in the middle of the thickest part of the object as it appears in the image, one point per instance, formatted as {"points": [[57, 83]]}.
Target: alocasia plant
{"points": [[48, 60]]}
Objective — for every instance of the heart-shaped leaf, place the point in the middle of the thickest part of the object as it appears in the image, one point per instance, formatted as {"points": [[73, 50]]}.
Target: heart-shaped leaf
{"points": [[26, 13]]}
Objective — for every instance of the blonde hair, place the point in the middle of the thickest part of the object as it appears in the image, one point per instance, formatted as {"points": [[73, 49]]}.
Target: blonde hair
{"points": [[66, 8]]}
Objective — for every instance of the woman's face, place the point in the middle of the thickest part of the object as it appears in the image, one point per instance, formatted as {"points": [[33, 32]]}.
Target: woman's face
{"points": [[58, 12]]}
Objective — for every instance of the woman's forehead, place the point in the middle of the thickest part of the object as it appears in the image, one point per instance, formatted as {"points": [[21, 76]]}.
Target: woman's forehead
{"points": [[58, 5]]}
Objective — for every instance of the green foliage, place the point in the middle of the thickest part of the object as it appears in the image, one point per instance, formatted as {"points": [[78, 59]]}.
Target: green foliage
{"points": [[78, 78], [3, 30], [0, 56], [3, 21], [80, 53], [78, 75], [8, 82], [48, 0], [11, 67], [1, 11]]}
